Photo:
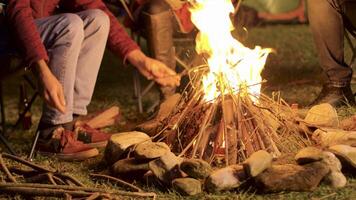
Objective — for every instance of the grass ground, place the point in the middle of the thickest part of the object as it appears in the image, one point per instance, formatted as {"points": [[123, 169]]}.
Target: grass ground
{"points": [[293, 70]]}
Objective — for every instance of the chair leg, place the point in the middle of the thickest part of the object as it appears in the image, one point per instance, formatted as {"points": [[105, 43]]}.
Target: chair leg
{"points": [[27, 108], [33, 146]]}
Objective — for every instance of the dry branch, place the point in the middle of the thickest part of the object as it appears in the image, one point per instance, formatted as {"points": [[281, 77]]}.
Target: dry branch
{"points": [[119, 181], [6, 170], [27, 163], [54, 190]]}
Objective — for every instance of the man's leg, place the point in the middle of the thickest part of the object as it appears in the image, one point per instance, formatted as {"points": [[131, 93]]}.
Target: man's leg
{"points": [[96, 30], [326, 22], [62, 36], [158, 19]]}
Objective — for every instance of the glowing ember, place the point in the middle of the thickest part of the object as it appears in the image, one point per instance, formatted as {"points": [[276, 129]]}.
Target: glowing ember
{"points": [[232, 66]]}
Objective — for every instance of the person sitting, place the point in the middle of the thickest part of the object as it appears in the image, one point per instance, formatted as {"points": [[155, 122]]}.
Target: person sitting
{"points": [[63, 42]]}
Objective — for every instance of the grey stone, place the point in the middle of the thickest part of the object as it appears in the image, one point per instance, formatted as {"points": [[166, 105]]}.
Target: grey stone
{"points": [[187, 186], [151, 150], [329, 137], [345, 153], [129, 165], [166, 168], [323, 115], [331, 161], [227, 178], [308, 155], [292, 177], [257, 163], [196, 168], [336, 179], [121, 142]]}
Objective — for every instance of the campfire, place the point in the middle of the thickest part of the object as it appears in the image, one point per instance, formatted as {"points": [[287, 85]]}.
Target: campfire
{"points": [[222, 111]]}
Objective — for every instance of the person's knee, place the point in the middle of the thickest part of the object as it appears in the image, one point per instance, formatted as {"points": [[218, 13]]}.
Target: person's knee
{"points": [[157, 6], [315, 3], [73, 24], [98, 18]]}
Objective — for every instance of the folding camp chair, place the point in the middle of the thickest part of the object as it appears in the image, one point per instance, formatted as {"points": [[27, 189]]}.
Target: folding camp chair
{"points": [[11, 67], [21, 73]]}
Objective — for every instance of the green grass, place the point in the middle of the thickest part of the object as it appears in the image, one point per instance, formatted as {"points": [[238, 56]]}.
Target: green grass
{"points": [[293, 70]]}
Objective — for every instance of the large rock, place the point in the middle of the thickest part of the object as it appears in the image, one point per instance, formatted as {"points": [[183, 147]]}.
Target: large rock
{"points": [[119, 144], [335, 178], [308, 155], [166, 168], [165, 109], [227, 178], [346, 154], [329, 137], [196, 168], [187, 186], [257, 163], [323, 115], [151, 150], [331, 161], [292, 177], [128, 166]]}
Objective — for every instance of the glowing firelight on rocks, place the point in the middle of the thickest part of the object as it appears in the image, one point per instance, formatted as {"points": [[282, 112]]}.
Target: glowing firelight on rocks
{"points": [[232, 66]]}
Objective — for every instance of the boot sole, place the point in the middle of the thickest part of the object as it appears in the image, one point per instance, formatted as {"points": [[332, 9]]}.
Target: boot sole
{"points": [[83, 155]]}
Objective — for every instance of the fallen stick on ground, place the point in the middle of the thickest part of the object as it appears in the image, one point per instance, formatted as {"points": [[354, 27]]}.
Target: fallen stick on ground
{"points": [[119, 181], [53, 190], [27, 163], [6, 170]]}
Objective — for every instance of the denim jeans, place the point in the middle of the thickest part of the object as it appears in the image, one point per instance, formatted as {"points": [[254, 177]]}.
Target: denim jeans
{"points": [[75, 44], [327, 19]]}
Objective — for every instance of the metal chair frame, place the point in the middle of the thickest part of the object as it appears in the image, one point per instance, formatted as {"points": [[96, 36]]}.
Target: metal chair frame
{"points": [[23, 73]]}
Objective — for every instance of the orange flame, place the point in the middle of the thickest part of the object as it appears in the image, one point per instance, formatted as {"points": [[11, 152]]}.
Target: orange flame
{"points": [[232, 66]]}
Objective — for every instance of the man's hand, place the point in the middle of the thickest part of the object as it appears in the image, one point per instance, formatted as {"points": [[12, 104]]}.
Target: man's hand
{"points": [[52, 90], [154, 69]]}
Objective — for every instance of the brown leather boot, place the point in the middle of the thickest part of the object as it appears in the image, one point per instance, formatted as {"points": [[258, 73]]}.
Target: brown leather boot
{"points": [[159, 29], [63, 145], [335, 96]]}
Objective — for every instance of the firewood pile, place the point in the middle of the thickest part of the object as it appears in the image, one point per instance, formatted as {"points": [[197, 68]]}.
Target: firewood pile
{"points": [[234, 126]]}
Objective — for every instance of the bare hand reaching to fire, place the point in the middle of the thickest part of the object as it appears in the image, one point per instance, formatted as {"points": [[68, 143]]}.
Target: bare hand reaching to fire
{"points": [[153, 69]]}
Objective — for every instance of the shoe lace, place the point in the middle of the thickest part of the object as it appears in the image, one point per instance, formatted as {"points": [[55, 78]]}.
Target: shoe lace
{"points": [[67, 138]]}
